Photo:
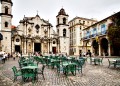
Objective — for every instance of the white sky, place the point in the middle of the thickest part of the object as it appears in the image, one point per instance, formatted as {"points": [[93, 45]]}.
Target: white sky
{"points": [[48, 9]]}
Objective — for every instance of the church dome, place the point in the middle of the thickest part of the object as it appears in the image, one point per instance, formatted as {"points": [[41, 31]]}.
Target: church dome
{"points": [[61, 12]]}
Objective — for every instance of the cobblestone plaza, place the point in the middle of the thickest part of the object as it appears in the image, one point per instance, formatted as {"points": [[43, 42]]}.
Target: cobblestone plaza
{"points": [[93, 75]]}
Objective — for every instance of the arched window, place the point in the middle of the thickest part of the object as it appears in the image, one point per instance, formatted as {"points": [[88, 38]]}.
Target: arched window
{"points": [[53, 42], [6, 24], [64, 32], [6, 10], [58, 20], [64, 20], [37, 28]]}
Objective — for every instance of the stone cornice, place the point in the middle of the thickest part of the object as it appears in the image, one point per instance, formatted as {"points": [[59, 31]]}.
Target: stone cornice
{"points": [[6, 14], [62, 24]]}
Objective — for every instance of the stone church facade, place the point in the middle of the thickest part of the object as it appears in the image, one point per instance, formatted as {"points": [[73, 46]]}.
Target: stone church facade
{"points": [[35, 34]]}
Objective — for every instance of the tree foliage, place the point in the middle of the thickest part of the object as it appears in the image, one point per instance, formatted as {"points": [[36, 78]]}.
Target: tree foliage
{"points": [[114, 31]]}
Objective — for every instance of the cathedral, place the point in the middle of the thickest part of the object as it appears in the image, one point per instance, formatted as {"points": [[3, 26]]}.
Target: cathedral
{"points": [[33, 34]]}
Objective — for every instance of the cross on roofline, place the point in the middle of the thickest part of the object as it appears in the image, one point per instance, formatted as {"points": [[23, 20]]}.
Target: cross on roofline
{"points": [[37, 12]]}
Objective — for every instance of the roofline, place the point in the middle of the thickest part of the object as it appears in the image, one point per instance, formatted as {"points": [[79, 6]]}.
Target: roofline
{"points": [[102, 20], [81, 18]]}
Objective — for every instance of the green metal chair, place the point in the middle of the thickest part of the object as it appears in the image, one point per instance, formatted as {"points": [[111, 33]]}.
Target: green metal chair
{"points": [[59, 67], [70, 68], [41, 71], [28, 73], [92, 60], [117, 63], [111, 63], [100, 61], [16, 73], [79, 64]]}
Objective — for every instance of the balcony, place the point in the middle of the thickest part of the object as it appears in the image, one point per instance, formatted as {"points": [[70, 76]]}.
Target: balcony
{"points": [[86, 38], [104, 32], [94, 35]]}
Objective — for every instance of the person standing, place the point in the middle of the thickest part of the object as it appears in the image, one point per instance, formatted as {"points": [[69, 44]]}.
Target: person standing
{"points": [[89, 53], [14, 55], [3, 59]]}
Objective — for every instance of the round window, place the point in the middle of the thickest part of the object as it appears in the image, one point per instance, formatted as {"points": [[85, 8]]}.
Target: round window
{"points": [[17, 40]]}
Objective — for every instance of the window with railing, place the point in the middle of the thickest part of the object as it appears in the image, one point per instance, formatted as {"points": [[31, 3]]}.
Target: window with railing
{"points": [[94, 32], [88, 34], [103, 29]]}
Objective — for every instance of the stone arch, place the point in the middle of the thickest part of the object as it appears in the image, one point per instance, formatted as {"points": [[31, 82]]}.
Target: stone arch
{"points": [[64, 20], [6, 24], [64, 32], [95, 47], [6, 10], [104, 46]]}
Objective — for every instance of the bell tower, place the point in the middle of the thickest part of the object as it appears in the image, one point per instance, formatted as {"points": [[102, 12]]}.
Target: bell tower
{"points": [[63, 31], [5, 24]]}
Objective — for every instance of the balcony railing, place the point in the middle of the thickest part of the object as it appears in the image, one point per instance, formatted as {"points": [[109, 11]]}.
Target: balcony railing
{"points": [[94, 35]]}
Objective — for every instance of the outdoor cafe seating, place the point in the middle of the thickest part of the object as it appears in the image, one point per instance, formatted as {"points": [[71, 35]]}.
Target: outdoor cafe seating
{"points": [[96, 60], [114, 62], [29, 66], [28, 69]]}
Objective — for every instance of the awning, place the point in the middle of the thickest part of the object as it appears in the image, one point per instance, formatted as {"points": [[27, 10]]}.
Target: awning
{"points": [[1, 36]]}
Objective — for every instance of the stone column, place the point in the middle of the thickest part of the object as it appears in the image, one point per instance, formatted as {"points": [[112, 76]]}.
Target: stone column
{"points": [[91, 49], [33, 47], [12, 47], [109, 49], [42, 48], [58, 47], [85, 47], [22, 46], [50, 46], [25, 46], [99, 50]]}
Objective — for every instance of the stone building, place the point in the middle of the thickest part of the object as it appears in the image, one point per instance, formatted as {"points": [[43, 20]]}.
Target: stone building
{"points": [[63, 31], [76, 26], [35, 34], [96, 34], [5, 25]]}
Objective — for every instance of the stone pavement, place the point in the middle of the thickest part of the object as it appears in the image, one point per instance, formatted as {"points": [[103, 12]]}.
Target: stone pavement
{"points": [[93, 75]]}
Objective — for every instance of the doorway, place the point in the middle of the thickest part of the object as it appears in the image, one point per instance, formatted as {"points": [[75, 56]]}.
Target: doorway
{"points": [[54, 50], [17, 48], [37, 47]]}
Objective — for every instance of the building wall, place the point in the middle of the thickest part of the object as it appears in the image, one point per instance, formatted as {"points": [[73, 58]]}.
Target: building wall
{"points": [[76, 25], [0, 16], [6, 31], [28, 35], [98, 32]]}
